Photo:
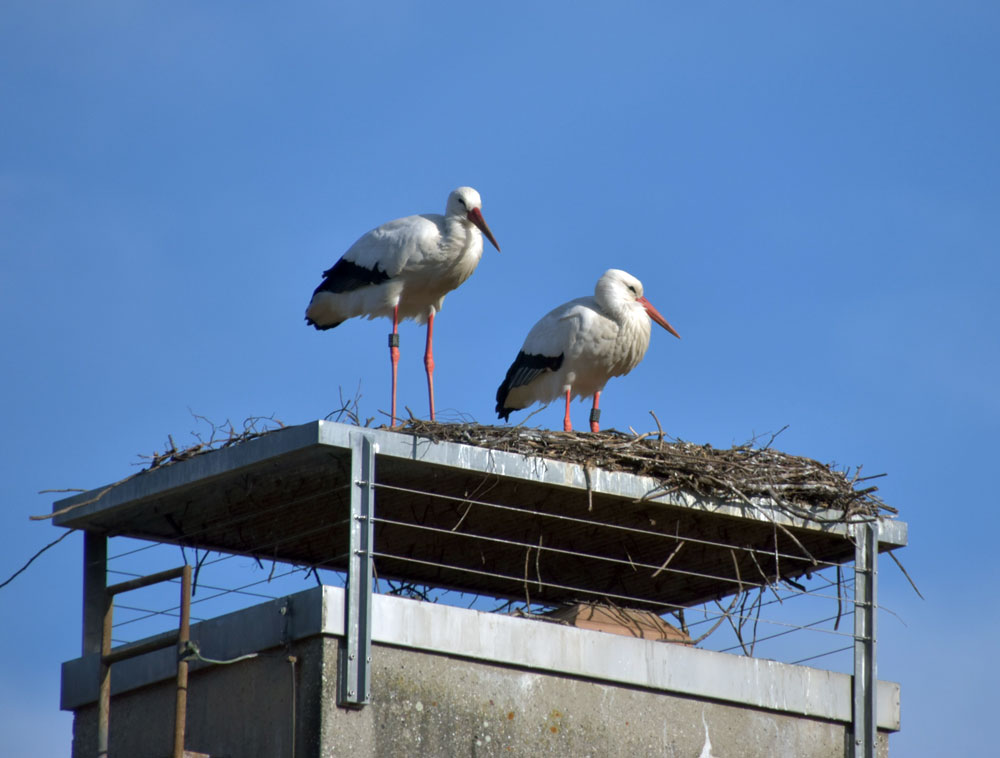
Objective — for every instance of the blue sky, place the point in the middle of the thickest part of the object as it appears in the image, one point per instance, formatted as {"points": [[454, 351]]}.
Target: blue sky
{"points": [[808, 192]]}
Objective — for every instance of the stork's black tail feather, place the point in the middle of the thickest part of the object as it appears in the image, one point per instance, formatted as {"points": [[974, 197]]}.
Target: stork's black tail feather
{"points": [[523, 370], [345, 276], [322, 327]]}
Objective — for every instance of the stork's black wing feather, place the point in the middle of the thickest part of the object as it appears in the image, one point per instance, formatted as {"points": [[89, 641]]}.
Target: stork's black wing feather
{"points": [[347, 276], [522, 371]]}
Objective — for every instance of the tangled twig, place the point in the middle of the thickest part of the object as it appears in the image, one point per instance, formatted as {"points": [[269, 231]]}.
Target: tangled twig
{"points": [[798, 485]]}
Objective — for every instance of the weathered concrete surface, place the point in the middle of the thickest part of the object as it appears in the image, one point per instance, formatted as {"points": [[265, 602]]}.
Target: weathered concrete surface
{"points": [[243, 710], [435, 705], [431, 705]]}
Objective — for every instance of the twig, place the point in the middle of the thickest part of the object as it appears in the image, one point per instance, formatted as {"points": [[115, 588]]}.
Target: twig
{"points": [[670, 557], [721, 619], [758, 604], [94, 499], [468, 508], [197, 570], [840, 598], [892, 555], [527, 595], [767, 582], [538, 558], [658, 428], [525, 419]]}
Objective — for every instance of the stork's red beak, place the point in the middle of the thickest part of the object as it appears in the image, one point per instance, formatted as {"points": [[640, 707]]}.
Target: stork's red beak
{"points": [[476, 217], [655, 315]]}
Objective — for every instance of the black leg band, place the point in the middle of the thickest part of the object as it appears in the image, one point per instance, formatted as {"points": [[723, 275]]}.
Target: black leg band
{"points": [[595, 415], [394, 339]]}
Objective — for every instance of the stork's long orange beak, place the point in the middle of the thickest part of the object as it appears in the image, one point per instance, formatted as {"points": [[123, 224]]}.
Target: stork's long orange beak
{"points": [[655, 315], [476, 217]]}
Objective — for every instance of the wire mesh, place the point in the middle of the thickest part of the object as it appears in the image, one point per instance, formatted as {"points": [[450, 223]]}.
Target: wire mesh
{"points": [[803, 617], [774, 601]]}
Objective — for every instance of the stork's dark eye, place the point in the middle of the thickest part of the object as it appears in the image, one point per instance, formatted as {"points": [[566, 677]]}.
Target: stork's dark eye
{"points": [[633, 290]]}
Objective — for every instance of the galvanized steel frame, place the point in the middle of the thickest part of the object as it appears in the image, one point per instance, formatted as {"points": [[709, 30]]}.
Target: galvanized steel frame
{"points": [[354, 668], [865, 682]]}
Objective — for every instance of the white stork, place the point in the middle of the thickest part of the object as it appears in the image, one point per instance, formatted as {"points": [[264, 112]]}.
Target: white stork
{"points": [[576, 348], [403, 269]]}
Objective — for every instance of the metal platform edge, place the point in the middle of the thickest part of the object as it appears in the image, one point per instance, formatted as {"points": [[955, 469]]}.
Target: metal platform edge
{"points": [[185, 473], [892, 532]]}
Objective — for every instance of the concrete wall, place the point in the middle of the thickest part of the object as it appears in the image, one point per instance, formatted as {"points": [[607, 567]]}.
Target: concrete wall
{"points": [[434, 705], [443, 706], [451, 682], [244, 709]]}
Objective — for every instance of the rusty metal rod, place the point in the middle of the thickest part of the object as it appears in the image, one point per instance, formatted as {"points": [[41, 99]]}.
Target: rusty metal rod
{"points": [[109, 656], [124, 652], [104, 698], [184, 636], [145, 581]]}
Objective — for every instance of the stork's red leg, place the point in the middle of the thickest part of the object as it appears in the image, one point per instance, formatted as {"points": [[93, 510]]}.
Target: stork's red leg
{"points": [[429, 360], [567, 424], [394, 357], [595, 414]]}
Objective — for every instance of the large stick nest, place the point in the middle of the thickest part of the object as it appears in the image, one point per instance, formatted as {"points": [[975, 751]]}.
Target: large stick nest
{"points": [[744, 473]]}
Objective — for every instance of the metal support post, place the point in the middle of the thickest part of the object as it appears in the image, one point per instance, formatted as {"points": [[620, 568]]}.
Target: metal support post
{"points": [[183, 638], [865, 606], [104, 689], [354, 671], [95, 560]]}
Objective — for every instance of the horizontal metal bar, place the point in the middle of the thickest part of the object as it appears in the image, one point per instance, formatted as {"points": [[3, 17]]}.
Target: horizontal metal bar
{"points": [[238, 590], [800, 661], [633, 564], [600, 524], [145, 581], [141, 648], [793, 594], [229, 523], [201, 586], [642, 601], [574, 553], [137, 609], [812, 626]]}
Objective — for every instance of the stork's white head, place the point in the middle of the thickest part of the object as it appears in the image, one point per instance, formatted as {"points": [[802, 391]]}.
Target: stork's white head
{"points": [[466, 203], [463, 200], [618, 289]]}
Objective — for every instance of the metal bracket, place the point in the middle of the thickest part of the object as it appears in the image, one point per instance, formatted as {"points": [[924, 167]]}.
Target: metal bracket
{"points": [[865, 606], [354, 669]]}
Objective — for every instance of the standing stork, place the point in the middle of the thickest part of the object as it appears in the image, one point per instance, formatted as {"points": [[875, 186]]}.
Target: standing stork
{"points": [[403, 269], [576, 348]]}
